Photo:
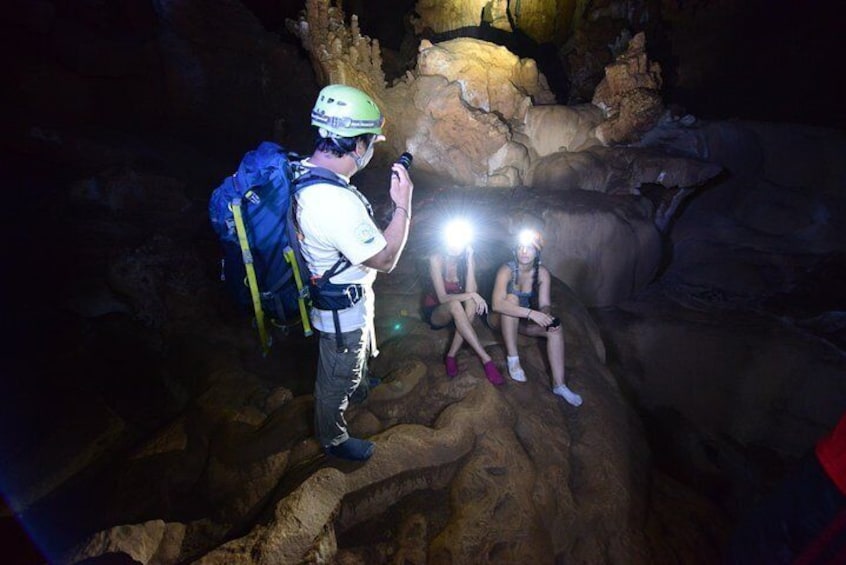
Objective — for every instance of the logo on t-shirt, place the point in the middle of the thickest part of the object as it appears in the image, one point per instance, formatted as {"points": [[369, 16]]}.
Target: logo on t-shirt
{"points": [[365, 232]]}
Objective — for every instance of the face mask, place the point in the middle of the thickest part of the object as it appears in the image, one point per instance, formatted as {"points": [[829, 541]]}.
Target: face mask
{"points": [[361, 162]]}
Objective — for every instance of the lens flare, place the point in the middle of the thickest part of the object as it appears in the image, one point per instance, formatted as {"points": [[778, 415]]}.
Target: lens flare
{"points": [[528, 237], [458, 234]]}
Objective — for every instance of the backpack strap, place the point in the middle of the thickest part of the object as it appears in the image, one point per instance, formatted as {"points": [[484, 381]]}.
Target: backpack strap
{"points": [[325, 294], [307, 176]]}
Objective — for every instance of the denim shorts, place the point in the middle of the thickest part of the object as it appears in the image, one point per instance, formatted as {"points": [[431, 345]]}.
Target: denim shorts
{"points": [[426, 316]]}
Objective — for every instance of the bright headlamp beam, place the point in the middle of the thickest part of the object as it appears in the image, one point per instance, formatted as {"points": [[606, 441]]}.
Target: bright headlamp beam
{"points": [[527, 238], [458, 234]]}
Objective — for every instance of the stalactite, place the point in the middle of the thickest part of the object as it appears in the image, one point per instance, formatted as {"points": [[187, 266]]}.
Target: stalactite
{"points": [[340, 54]]}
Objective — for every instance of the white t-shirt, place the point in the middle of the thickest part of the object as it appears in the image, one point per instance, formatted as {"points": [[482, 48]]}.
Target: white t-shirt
{"points": [[335, 220]]}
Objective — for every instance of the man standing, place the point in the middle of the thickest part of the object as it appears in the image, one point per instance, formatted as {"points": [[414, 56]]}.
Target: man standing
{"points": [[344, 249]]}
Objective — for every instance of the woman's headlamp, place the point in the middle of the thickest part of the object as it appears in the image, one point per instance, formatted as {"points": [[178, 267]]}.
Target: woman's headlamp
{"points": [[458, 234], [529, 237]]}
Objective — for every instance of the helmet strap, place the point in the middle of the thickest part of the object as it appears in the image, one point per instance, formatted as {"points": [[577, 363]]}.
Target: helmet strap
{"points": [[361, 161]]}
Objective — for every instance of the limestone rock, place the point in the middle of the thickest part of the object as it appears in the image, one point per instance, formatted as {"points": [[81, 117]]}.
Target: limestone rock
{"points": [[440, 119], [552, 129], [531, 18], [602, 247], [619, 170], [339, 54], [151, 542], [480, 115], [437, 17], [587, 54], [629, 95], [465, 95], [492, 78]]}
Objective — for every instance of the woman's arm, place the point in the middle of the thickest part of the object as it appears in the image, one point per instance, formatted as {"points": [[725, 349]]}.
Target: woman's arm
{"points": [[544, 302], [500, 303], [470, 276], [544, 284], [499, 298]]}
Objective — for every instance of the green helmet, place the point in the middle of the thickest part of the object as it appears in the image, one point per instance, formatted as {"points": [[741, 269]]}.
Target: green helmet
{"points": [[345, 111]]}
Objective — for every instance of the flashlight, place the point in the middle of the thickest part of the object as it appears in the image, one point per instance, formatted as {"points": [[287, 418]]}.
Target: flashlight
{"points": [[405, 160]]}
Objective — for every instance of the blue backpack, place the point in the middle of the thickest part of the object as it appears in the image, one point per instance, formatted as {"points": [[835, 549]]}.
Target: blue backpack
{"points": [[262, 190]]}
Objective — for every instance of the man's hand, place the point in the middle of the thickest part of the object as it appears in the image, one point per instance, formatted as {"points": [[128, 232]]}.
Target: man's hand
{"points": [[401, 187], [396, 231]]}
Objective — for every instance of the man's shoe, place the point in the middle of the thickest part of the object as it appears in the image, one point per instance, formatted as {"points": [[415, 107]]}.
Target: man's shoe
{"points": [[353, 449]]}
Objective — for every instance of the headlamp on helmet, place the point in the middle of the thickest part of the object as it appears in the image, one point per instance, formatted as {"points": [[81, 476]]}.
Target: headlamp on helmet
{"points": [[345, 111]]}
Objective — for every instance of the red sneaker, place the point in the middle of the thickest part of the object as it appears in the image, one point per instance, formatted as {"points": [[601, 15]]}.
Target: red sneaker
{"points": [[492, 373], [451, 366]]}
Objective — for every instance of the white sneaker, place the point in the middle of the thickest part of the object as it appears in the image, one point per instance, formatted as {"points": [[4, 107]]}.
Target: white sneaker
{"points": [[568, 395], [515, 371]]}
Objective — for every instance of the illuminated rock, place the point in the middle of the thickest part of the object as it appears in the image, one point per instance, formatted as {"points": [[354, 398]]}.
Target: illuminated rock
{"points": [[630, 95], [545, 21]]}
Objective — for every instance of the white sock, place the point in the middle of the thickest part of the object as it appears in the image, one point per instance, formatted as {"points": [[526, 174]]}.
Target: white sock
{"points": [[515, 371], [568, 395]]}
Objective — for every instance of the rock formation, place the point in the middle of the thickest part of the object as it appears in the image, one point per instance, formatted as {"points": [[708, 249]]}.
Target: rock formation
{"points": [[481, 116], [339, 54], [753, 295], [630, 95], [545, 21], [490, 129]]}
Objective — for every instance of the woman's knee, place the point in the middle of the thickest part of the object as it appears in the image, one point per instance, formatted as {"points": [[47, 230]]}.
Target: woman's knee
{"points": [[456, 308]]}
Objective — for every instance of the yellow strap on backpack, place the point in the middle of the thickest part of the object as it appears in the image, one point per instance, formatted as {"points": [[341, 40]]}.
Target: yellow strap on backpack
{"points": [[301, 292], [241, 230]]}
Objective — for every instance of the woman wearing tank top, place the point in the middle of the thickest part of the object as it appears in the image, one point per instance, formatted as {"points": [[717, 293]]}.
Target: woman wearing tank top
{"points": [[453, 301], [521, 304]]}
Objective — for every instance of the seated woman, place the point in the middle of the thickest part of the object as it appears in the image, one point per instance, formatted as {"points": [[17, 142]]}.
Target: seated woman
{"points": [[453, 300], [521, 303]]}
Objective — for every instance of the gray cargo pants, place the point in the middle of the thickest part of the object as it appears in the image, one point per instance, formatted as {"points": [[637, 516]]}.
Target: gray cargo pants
{"points": [[340, 372]]}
